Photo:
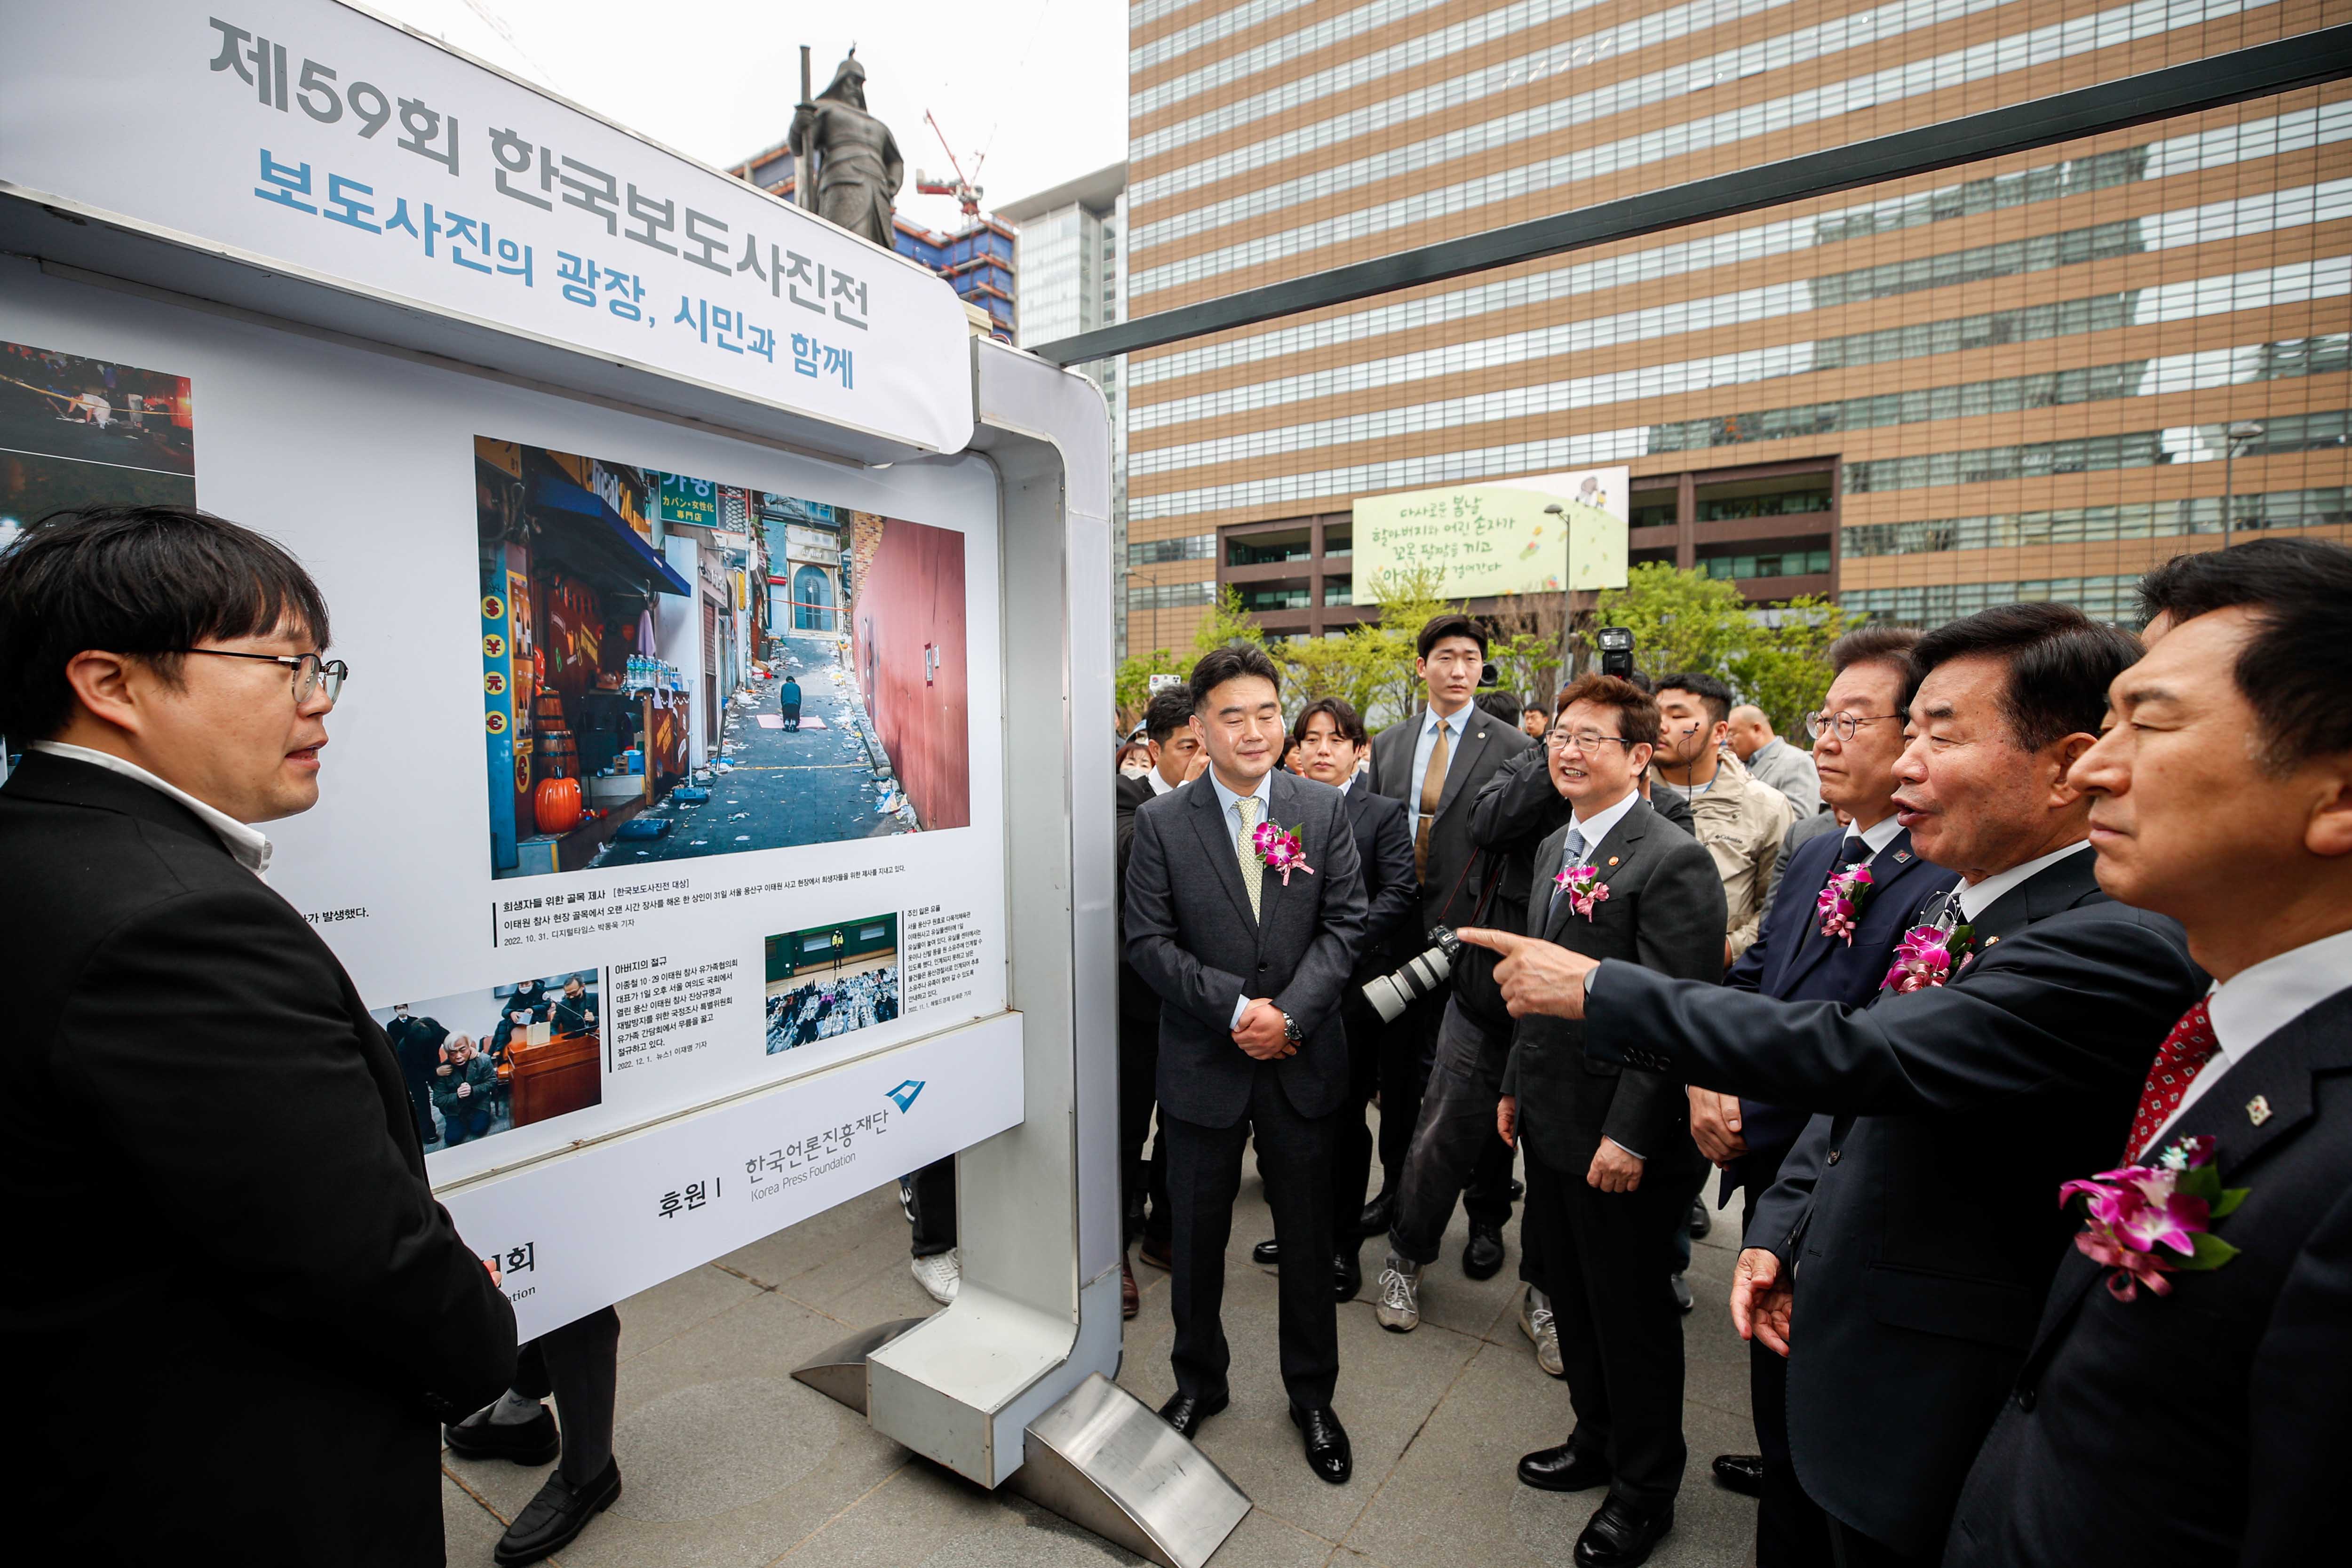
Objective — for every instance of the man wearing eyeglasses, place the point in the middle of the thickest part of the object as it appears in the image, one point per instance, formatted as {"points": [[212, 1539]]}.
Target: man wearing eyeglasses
{"points": [[279, 1283]]}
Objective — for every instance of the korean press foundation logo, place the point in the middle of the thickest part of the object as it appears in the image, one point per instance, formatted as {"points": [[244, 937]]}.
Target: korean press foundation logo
{"points": [[905, 1094]]}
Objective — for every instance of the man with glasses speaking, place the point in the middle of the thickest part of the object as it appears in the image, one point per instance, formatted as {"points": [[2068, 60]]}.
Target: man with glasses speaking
{"points": [[225, 1245]]}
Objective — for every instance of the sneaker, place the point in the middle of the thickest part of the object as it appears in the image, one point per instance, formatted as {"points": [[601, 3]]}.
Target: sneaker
{"points": [[939, 1275], [1535, 1321], [1399, 1309]]}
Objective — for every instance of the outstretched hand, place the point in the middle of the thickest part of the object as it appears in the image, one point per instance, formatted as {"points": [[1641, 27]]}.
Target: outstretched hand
{"points": [[1536, 976]]}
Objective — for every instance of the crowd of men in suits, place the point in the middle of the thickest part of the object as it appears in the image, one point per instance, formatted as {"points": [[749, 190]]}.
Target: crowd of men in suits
{"points": [[2036, 1071], [2018, 1011]]}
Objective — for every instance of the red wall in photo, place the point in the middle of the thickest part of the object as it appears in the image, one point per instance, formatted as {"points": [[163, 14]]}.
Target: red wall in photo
{"points": [[907, 624]]}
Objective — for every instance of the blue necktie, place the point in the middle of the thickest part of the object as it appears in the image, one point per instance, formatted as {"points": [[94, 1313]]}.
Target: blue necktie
{"points": [[1571, 853]]}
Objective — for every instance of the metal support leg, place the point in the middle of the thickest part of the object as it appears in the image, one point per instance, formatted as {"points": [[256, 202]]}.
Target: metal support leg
{"points": [[1103, 1461]]}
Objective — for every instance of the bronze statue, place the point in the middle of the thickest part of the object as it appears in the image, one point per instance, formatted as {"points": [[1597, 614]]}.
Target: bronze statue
{"points": [[854, 157]]}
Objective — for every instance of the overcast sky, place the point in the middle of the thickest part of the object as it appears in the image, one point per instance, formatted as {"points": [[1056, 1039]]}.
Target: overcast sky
{"points": [[1039, 85]]}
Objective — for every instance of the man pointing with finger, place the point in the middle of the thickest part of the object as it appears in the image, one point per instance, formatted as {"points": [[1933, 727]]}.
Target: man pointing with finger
{"points": [[1917, 1218], [1611, 1167]]}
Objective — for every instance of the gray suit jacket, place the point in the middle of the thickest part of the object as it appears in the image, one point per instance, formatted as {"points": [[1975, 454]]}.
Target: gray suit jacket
{"points": [[1191, 937], [1487, 744], [1664, 911]]}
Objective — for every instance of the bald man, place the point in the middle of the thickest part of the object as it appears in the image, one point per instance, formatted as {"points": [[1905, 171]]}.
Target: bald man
{"points": [[1774, 760]]}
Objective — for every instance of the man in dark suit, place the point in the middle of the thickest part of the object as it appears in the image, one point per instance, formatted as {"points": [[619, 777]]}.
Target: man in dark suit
{"points": [[1437, 764], [1329, 742], [1916, 1211], [1175, 759], [1611, 1167], [1808, 952], [416, 1044], [198, 1092], [2208, 1422], [1249, 960]]}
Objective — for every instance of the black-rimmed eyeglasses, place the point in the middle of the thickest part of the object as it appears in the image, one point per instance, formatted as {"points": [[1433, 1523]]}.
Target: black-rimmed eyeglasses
{"points": [[309, 670]]}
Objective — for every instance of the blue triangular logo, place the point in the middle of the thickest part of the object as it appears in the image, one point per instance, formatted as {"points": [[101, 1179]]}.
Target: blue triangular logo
{"points": [[906, 1092]]}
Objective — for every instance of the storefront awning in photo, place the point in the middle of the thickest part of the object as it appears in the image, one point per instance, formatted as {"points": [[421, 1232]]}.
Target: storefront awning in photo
{"points": [[613, 545]]}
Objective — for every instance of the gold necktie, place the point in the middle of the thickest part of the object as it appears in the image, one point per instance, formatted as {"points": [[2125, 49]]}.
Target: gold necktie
{"points": [[1433, 786], [1252, 867]]}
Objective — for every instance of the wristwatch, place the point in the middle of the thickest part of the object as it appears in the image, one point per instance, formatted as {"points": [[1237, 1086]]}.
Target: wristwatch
{"points": [[1291, 1034]]}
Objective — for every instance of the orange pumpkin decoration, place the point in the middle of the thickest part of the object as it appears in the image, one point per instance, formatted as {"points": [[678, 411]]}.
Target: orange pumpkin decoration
{"points": [[557, 806]]}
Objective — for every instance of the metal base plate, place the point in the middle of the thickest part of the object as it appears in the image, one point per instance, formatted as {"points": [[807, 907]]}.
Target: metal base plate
{"points": [[838, 1372], [1102, 1459]]}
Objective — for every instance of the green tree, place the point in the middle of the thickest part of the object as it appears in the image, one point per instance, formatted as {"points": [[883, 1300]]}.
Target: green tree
{"points": [[1131, 685], [1785, 668], [1680, 620], [1408, 600], [1226, 622]]}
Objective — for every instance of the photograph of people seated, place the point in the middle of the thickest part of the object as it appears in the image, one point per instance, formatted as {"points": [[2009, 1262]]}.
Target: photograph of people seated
{"points": [[832, 980], [486, 1062]]}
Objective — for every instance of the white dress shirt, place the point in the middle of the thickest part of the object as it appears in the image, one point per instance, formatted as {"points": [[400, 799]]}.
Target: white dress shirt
{"points": [[1430, 721], [249, 845], [1159, 785], [1230, 805], [1976, 898], [1596, 828], [1879, 835], [2260, 1001]]}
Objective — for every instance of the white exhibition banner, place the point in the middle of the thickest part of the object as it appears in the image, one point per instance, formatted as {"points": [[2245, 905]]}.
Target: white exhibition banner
{"points": [[683, 903], [315, 135]]}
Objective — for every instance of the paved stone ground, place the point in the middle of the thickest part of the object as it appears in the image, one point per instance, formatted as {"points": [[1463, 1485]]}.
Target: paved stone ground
{"points": [[727, 1463]]}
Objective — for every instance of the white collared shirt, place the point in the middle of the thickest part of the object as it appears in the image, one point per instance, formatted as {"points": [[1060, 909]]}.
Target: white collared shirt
{"points": [[1978, 897], [249, 845], [2260, 1001], [1879, 835], [1422, 744], [1159, 785], [1599, 824]]}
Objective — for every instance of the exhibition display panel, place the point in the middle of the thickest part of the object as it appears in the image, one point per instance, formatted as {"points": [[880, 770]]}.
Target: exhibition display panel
{"points": [[691, 909]]}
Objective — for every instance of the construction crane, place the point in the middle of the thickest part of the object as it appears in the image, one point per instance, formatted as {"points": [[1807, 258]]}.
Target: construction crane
{"points": [[965, 191]]}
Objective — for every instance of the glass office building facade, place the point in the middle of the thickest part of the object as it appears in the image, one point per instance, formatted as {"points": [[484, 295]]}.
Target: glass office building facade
{"points": [[2010, 380]]}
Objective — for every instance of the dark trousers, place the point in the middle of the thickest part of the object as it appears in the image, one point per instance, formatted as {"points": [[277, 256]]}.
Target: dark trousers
{"points": [[1455, 1145], [1849, 1548], [580, 1363], [1351, 1152], [1205, 1175], [1791, 1530], [1138, 1068], [1406, 1049], [1607, 1257], [934, 1207]]}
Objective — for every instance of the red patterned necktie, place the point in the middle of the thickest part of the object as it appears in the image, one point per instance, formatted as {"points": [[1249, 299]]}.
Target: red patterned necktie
{"points": [[2188, 1047]]}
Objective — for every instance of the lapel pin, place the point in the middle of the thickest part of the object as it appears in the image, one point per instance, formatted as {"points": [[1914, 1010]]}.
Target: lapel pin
{"points": [[1901, 856], [2258, 1110], [1991, 939], [1612, 860]]}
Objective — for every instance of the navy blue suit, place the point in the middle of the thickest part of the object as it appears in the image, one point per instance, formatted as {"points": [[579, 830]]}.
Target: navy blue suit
{"points": [[1790, 959]]}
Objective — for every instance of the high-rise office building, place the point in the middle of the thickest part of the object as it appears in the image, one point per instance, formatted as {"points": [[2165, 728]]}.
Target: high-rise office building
{"points": [[2028, 378], [1072, 258]]}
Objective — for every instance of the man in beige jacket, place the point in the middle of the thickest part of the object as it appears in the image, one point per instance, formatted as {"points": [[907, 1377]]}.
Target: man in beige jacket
{"points": [[1741, 819]]}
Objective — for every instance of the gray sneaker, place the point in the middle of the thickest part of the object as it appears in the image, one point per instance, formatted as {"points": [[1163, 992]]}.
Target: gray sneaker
{"points": [[1536, 1323], [1398, 1307]]}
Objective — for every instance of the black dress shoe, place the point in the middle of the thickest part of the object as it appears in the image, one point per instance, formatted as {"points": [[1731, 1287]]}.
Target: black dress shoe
{"points": [[532, 1442], [1328, 1453], [554, 1519], [1378, 1216], [1482, 1254], [1562, 1470], [1701, 1222], [1267, 1255], [1347, 1274], [1185, 1412], [1741, 1473], [1622, 1534]]}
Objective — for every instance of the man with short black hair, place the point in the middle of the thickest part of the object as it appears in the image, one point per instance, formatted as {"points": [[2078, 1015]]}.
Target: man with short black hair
{"points": [[2202, 1416], [1244, 911], [2003, 1056], [1741, 819], [276, 1283], [1436, 763]]}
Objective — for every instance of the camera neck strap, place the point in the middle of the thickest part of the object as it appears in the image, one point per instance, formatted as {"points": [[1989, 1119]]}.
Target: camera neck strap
{"points": [[1485, 893]]}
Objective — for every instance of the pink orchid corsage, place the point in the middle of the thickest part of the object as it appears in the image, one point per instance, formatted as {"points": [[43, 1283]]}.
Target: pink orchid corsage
{"points": [[1840, 904], [2144, 1222], [1584, 888], [1279, 852], [1929, 956]]}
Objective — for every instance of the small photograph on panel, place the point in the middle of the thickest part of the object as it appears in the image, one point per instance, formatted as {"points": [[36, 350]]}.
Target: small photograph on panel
{"points": [[675, 667], [77, 432], [832, 979], [485, 1062]]}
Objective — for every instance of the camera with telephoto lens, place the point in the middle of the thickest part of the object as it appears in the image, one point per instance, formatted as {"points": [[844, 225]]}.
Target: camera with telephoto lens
{"points": [[1416, 978]]}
